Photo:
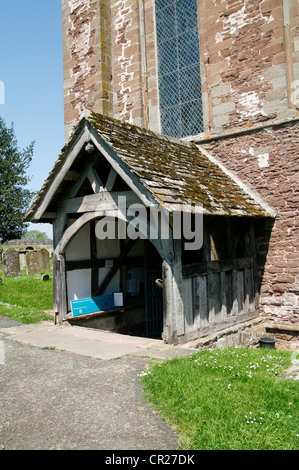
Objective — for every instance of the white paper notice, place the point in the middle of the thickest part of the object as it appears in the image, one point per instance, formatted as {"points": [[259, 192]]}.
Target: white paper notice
{"points": [[118, 299]]}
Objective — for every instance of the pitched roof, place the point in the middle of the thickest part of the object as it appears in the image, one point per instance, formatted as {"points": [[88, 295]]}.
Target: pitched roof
{"points": [[170, 170]]}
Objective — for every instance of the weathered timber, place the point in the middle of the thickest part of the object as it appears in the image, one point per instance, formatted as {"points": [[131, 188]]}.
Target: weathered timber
{"points": [[71, 231], [71, 192], [101, 313], [104, 201], [56, 286], [111, 180], [93, 255], [218, 293], [65, 167], [59, 227], [62, 299], [115, 268], [198, 269], [188, 304], [95, 181], [118, 165], [218, 326], [76, 265], [72, 175]]}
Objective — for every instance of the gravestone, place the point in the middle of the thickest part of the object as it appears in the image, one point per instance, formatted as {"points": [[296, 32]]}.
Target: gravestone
{"points": [[22, 255], [11, 263], [32, 262], [44, 259]]}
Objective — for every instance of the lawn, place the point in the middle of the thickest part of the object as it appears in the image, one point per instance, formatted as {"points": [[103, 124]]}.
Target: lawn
{"points": [[25, 297], [227, 399]]}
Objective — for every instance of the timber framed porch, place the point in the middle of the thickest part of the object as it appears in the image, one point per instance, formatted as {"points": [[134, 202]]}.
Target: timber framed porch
{"points": [[108, 170]]}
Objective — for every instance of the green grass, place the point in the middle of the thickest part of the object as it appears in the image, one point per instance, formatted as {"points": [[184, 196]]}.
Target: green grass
{"points": [[227, 399], [25, 297]]}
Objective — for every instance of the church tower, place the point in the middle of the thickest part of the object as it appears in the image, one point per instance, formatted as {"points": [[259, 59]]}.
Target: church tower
{"points": [[223, 73]]}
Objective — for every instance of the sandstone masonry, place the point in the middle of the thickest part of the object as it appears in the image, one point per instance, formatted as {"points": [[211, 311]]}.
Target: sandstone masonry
{"points": [[267, 161], [250, 93]]}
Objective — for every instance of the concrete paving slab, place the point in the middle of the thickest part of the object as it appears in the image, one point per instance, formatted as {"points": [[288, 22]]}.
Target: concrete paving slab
{"points": [[99, 344], [6, 322], [57, 400], [54, 400]]}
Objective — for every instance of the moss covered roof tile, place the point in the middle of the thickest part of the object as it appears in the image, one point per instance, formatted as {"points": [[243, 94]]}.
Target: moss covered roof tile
{"points": [[169, 169]]}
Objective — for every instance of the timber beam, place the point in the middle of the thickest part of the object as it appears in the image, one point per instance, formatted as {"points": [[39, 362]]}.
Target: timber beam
{"points": [[103, 201]]}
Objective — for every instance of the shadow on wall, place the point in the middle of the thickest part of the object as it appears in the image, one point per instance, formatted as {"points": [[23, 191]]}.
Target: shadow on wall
{"points": [[263, 230]]}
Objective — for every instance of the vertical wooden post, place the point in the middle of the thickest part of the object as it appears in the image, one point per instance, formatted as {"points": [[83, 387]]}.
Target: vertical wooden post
{"points": [[93, 255], [60, 300], [169, 329], [59, 273], [255, 269], [63, 309], [178, 287], [56, 287], [59, 228], [174, 324]]}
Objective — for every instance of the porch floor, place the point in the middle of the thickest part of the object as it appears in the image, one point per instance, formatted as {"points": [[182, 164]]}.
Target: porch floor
{"points": [[99, 344]]}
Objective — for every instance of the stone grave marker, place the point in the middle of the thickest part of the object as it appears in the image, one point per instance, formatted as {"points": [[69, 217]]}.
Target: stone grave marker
{"points": [[22, 256], [44, 259], [11, 263], [32, 262]]}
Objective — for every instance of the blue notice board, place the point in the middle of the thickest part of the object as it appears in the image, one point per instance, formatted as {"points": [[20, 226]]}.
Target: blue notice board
{"points": [[92, 305]]}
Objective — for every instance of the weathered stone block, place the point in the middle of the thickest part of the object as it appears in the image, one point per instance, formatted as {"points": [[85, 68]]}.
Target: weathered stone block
{"points": [[32, 263], [44, 259], [11, 263]]}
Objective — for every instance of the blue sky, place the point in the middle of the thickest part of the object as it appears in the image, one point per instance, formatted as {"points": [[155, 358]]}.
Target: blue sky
{"points": [[31, 70]]}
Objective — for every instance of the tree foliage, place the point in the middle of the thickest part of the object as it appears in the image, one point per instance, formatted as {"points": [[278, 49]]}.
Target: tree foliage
{"points": [[15, 197], [35, 235]]}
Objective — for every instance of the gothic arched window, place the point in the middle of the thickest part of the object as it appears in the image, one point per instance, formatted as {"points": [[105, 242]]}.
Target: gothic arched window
{"points": [[179, 67]]}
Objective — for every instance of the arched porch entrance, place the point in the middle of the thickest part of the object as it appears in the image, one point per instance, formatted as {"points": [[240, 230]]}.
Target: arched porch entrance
{"points": [[87, 267]]}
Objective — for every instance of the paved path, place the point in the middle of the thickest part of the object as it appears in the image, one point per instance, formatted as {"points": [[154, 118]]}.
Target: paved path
{"points": [[90, 342], [85, 394], [73, 388]]}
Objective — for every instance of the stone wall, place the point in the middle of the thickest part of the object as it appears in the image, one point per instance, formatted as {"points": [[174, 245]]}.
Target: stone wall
{"points": [[250, 55], [135, 63], [22, 242], [86, 59], [250, 59], [110, 61], [250, 77], [267, 160]]}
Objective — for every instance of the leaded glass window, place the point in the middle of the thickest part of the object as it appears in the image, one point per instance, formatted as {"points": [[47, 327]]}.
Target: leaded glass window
{"points": [[179, 67]]}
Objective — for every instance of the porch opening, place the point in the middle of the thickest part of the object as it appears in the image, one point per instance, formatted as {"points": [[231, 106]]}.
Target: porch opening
{"points": [[115, 266]]}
